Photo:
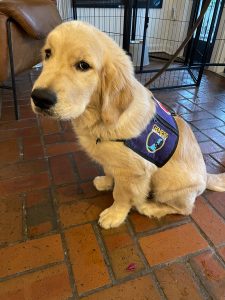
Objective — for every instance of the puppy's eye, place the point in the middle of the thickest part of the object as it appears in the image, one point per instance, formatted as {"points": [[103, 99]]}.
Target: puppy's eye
{"points": [[48, 53], [82, 66]]}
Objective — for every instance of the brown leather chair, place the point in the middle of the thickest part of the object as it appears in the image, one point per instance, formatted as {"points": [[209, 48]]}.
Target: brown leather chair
{"points": [[24, 25]]}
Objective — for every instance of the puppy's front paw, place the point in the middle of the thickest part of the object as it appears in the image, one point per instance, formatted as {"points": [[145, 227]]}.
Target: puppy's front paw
{"points": [[112, 217], [103, 183]]}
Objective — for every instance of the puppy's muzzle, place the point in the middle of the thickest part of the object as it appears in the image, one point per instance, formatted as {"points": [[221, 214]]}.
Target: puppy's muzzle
{"points": [[43, 98]]}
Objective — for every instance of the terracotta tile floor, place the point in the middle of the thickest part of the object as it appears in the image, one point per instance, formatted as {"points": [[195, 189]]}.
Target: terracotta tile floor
{"points": [[51, 246]]}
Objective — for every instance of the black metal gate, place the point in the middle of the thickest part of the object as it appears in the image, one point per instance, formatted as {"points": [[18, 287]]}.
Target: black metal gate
{"points": [[152, 30]]}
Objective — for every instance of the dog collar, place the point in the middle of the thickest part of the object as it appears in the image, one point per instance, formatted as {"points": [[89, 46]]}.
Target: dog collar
{"points": [[98, 140]]}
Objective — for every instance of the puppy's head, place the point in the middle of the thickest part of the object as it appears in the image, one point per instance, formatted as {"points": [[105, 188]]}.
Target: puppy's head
{"points": [[81, 65]]}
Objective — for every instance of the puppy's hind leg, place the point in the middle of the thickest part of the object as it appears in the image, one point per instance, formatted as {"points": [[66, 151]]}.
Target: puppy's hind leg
{"points": [[177, 202], [155, 209], [181, 200], [147, 207]]}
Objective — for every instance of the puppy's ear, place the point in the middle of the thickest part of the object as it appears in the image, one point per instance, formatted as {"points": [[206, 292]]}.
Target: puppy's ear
{"points": [[115, 89]]}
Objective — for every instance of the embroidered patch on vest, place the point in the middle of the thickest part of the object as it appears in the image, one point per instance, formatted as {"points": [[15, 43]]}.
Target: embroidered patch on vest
{"points": [[158, 141]]}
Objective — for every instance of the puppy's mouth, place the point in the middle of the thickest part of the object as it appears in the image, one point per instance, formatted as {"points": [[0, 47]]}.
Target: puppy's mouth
{"points": [[44, 112]]}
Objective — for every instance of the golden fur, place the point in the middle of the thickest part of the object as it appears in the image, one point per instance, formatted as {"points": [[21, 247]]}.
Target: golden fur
{"points": [[107, 102]]}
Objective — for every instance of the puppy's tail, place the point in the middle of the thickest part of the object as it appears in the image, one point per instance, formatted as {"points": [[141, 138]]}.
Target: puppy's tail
{"points": [[216, 182]]}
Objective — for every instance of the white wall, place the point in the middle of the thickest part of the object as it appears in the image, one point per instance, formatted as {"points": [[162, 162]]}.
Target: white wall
{"points": [[108, 20], [65, 10], [167, 26], [218, 54]]}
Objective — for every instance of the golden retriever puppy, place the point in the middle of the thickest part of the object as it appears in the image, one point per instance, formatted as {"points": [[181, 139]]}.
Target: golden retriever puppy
{"points": [[88, 79]]}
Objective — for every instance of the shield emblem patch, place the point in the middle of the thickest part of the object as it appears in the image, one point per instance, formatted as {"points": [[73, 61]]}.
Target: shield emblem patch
{"points": [[156, 139]]}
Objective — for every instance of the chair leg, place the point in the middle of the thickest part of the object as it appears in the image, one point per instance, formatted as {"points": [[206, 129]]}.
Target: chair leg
{"points": [[9, 39]]}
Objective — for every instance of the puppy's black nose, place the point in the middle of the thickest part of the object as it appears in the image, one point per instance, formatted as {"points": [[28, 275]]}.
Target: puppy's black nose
{"points": [[43, 98]]}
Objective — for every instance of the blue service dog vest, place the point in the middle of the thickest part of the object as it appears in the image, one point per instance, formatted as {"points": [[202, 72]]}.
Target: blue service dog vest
{"points": [[158, 141]]}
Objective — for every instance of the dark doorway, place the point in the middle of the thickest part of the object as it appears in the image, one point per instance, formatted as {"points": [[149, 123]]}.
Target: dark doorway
{"points": [[204, 38]]}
